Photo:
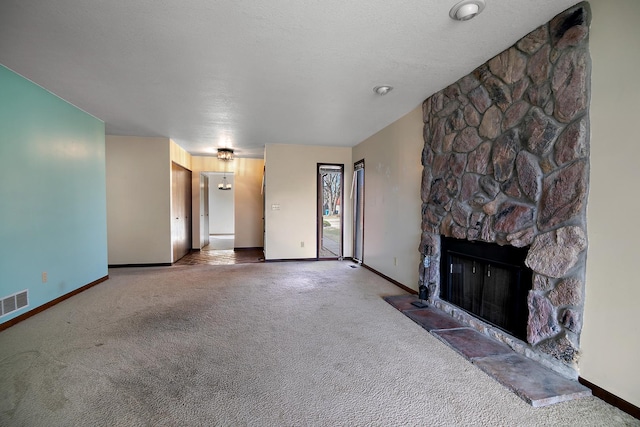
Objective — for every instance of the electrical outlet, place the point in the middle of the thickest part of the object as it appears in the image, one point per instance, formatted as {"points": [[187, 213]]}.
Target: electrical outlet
{"points": [[44, 277], [302, 244]]}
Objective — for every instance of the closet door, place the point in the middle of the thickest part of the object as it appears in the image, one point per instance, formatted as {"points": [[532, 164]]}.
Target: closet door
{"points": [[180, 211]]}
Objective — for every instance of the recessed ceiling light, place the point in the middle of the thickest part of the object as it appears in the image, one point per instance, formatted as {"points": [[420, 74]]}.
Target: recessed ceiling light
{"points": [[382, 90], [466, 9]]}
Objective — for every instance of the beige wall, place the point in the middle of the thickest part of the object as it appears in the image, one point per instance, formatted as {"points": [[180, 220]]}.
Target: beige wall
{"points": [[248, 203], [610, 340], [392, 212], [138, 178], [291, 183], [247, 196], [180, 156]]}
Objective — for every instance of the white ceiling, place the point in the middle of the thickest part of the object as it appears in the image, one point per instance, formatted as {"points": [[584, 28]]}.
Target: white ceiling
{"points": [[245, 73]]}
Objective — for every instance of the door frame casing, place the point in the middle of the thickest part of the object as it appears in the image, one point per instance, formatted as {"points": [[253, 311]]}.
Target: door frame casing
{"points": [[319, 216], [359, 165]]}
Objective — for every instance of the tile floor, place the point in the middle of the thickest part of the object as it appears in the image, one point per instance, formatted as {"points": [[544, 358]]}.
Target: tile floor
{"points": [[222, 257], [220, 251]]}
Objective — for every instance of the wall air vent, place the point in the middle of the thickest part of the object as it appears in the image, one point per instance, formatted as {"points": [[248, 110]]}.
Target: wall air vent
{"points": [[14, 302]]}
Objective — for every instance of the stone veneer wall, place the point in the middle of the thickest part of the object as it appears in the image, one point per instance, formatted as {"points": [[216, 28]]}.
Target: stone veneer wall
{"points": [[506, 160]]}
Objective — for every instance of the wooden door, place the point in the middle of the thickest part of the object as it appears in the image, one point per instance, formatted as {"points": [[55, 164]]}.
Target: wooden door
{"points": [[180, 211]]}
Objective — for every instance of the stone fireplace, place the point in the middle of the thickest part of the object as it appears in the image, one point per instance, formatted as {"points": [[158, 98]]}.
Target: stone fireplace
{"points": [[506, 161]]}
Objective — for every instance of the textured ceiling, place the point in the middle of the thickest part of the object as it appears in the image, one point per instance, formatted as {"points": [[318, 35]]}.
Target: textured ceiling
{"points": [[245, 73]]}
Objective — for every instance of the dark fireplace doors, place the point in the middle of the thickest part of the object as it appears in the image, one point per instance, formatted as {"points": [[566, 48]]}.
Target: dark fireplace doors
{"points": [[487, 280]]}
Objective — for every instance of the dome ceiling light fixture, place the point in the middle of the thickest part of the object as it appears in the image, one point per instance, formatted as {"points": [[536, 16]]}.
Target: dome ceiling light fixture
{"points": [[466, 9], [382, 90]]}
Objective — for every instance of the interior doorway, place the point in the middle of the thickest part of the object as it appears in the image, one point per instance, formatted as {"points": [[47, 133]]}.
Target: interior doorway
{"points": [[357, 194], [204, 210], [221, 206], [330, 211]]}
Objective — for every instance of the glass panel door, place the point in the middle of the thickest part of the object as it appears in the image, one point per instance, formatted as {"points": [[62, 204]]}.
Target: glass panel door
{"points": [[330, 215], [358, 211]]}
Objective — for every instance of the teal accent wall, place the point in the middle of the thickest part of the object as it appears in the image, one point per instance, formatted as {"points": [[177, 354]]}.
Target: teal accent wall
{"points": [[52, 194]]}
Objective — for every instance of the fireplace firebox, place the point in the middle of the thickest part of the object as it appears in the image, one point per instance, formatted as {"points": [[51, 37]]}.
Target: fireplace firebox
{"points": [[487, 280]]}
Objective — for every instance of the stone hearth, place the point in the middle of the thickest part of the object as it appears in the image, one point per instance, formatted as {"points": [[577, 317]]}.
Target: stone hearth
{"points": [[506, 160], [528, 380]]}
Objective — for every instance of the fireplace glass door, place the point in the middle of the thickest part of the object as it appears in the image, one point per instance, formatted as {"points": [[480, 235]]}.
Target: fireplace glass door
{"points": [[478, 281]]}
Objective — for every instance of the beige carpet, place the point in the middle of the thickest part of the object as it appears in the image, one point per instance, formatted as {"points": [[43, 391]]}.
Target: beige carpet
{"points": [[276, 344]]}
